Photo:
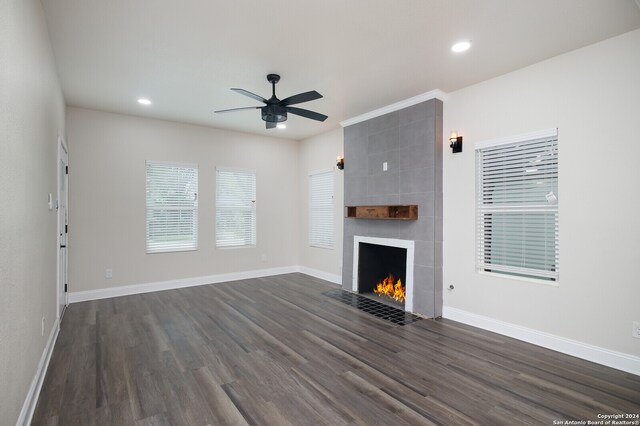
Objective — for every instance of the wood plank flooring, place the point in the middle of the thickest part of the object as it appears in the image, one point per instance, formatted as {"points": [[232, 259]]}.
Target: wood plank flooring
{"points": [[275, 351]]}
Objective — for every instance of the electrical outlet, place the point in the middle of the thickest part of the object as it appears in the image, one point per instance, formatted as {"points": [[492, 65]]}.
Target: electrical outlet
{"points": [[108, 273], [42, 329], [636, 329]]}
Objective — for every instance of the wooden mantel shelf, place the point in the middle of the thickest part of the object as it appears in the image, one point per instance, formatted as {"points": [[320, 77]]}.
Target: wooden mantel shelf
{"points": [[400, 212]]}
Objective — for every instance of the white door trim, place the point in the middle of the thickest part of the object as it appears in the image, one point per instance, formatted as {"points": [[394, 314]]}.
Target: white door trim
{"points": [[63, 154]]}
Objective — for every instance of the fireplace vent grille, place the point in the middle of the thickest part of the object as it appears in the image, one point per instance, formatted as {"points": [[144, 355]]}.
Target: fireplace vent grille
{"points": [[373, 307]]}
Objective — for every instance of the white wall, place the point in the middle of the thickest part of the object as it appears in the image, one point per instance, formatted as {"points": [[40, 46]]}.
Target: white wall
{"points": [[31, 116], [592, 96], [107, 198], [319, 153]]}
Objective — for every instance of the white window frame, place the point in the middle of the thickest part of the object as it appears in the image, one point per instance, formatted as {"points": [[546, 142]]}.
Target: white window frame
{"points": [[184, 204], [326, 238], [223, 205], [538, 260]]}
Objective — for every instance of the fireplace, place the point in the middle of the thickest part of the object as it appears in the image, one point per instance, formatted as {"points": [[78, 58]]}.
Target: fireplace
{"points": [[382, 271], [393, 192], [378, 259]]}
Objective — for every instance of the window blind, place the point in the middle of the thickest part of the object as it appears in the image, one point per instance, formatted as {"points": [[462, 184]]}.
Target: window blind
{"points": [[172, 207], [235, 208], [321, 209], [517, 206]]}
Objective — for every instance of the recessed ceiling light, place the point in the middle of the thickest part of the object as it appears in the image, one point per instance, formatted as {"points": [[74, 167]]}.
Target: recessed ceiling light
{"points": [[144, 101], [281, 126], [461, 46]]}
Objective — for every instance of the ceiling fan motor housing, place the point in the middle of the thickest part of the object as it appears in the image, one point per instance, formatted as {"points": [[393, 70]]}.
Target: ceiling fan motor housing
{"points": [[274, 113]]}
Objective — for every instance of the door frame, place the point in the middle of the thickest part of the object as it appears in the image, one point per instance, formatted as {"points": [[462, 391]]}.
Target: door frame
{"points": [[63, 154]]}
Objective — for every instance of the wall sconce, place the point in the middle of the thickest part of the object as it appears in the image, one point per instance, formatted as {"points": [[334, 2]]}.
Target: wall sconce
{"points": [[340, 162], [456, 142]]}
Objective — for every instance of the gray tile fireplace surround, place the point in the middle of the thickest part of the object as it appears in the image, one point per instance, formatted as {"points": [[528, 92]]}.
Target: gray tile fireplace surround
{"points": [[410, 142]]}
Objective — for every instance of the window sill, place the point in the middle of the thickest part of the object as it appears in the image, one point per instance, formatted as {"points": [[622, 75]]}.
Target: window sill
{"points": [[172, 251], [237, 247], [321, 247], [516, 278]]}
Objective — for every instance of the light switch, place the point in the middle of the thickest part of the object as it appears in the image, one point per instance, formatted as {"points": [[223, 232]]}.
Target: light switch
{"points": [[384, 166]]}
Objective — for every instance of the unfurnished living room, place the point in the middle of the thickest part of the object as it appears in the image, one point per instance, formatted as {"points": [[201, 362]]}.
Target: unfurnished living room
{"points": [[320, 213]]}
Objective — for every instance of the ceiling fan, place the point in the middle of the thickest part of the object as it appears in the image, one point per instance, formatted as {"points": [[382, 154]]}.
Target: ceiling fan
{"points": [[275, 110]]}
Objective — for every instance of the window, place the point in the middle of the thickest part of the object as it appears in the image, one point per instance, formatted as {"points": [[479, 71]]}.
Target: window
{"points": [[517, 206], [321, 209], [172, 207], [235, 208]]}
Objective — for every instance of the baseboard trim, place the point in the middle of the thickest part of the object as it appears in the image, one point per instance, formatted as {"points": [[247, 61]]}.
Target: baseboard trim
{"points": [[106, 293], [613, 359], [334, 278], [29, 405], [128, 290]]}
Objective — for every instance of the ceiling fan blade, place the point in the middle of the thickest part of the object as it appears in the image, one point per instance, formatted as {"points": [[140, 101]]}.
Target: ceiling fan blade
{"points": [[271, 124], [300, 98], [307, 114], [249, 94], [235, 109]]}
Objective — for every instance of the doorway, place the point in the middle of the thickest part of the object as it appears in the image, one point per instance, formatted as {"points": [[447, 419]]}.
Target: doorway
{"points": [[63, 226]]}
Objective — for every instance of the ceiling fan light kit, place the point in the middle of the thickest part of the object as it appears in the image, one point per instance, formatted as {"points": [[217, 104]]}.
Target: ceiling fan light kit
{"points": [[275, 110]]}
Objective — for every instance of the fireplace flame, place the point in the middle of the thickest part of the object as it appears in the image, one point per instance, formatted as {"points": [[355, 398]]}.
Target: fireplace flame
{"points": [[386, 287]]}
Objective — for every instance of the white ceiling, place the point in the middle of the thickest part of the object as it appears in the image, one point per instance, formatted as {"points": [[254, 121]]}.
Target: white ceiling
{"points": [[360, 54]]}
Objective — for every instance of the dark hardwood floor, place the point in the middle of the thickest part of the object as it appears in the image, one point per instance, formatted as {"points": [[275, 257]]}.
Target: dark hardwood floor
{"points": [[276, 351]]}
